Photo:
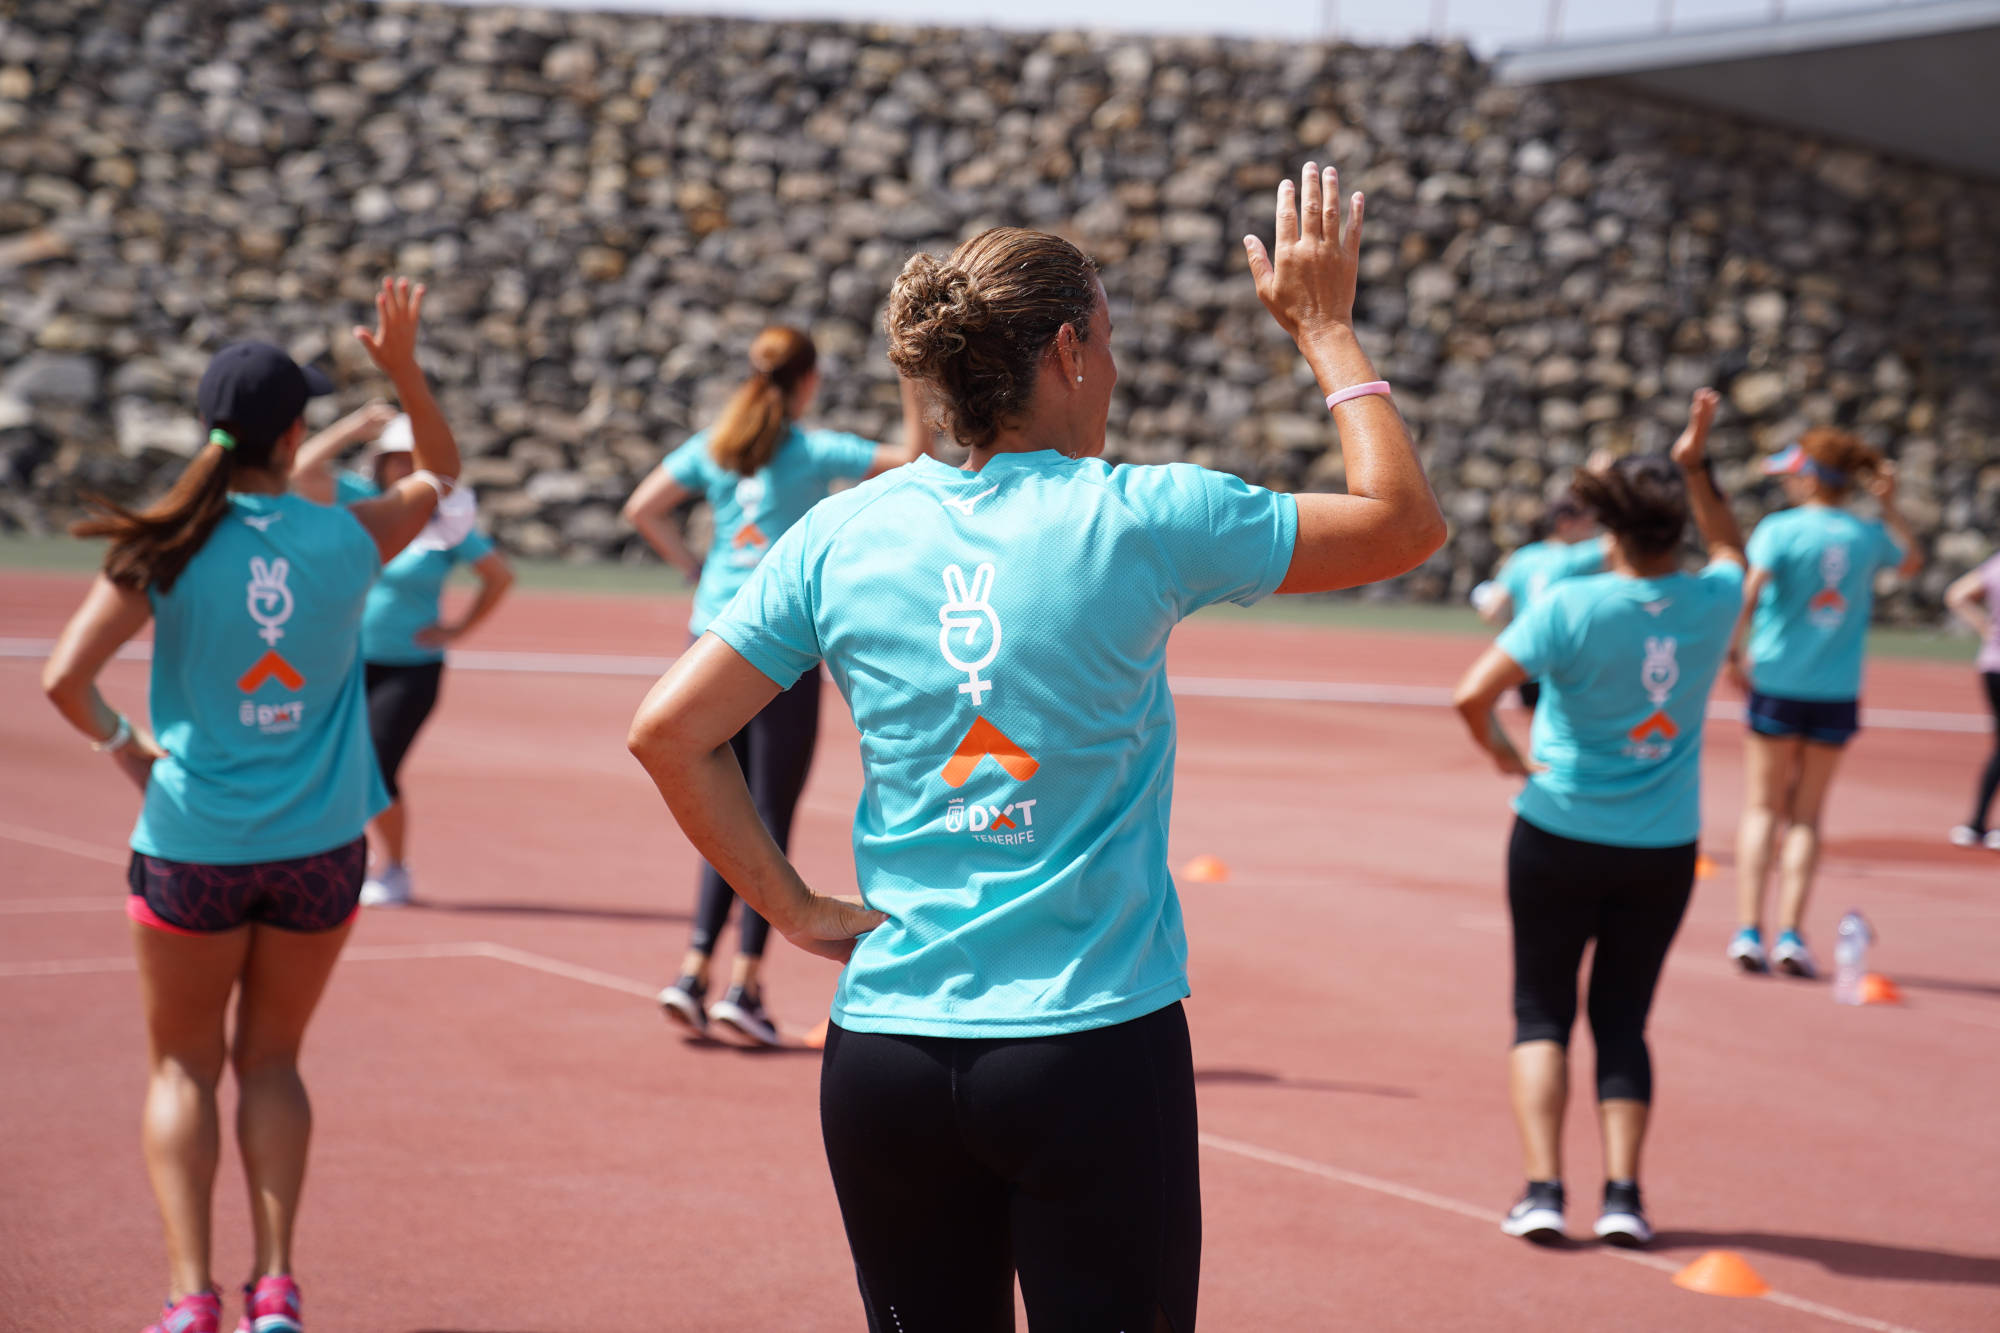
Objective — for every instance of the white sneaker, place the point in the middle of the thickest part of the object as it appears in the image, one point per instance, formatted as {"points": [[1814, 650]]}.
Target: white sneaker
{"points": [[1538, 1216], [1993, 840], [1964, 835], [1623, 1222], [387, 887], [744, 1013], [1790, 955], [1746, 950]]}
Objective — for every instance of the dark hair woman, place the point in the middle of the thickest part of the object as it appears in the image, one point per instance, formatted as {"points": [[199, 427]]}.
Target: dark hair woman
{"points": [[248, 855], [1605, 836], [759, 471], [1007, 1084], [1797, 652], [403, 632]]}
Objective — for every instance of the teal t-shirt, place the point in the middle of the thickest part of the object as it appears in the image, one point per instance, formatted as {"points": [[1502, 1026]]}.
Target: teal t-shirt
{"points": [[1810, 626], [1533, 569], [1626, 666], [257, 693], [405, 599], [754, 511], [1000, 637]]}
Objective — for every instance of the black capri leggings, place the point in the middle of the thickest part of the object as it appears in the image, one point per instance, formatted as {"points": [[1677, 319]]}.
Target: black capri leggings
{"points": [[1070, 1160], [1563, 894], [776, 752], [1989, 781], [400, 698]]}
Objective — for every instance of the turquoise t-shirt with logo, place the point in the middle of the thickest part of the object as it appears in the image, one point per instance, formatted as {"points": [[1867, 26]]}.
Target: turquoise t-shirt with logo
{"points": [[1626, 666], [1000, 638], [257, 693], [1809, 630], [1533, 569], [752, 512], [405, 599]]}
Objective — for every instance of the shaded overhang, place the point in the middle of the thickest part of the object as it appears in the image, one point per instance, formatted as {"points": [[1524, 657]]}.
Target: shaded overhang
{"points": [[1917, 80]]}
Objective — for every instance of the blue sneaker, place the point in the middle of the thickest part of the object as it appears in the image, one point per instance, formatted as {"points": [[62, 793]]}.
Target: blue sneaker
{"points": [[1791, 956], [1747, 950]]}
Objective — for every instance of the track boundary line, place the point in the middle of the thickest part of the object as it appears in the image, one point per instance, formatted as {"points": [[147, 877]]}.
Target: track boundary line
{"points": [[1246, 689], [1444, 1203], [55, 842]]}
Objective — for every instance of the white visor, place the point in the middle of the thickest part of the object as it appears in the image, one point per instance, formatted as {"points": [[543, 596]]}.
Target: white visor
{"points": [[396, 437]]}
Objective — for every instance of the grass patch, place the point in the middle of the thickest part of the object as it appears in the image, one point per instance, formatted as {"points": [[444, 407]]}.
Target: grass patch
{"points": [[64, 554]]}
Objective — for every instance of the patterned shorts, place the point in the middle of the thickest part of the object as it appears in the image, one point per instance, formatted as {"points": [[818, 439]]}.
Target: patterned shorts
{"points": [[310, 893]]}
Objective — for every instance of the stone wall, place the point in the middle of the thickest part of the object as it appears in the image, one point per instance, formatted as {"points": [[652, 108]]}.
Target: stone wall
{"points": [[607, 207]]}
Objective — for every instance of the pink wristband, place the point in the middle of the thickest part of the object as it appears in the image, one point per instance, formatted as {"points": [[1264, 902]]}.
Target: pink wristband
{"points": [[1353, 391]]}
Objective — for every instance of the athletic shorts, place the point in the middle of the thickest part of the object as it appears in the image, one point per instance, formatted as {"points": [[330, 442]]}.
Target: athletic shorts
{"points": [[1821, 721], [308, 894]]}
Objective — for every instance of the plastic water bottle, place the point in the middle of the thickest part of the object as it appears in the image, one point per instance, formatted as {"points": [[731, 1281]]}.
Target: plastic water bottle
{"points": [[1850, 957]]}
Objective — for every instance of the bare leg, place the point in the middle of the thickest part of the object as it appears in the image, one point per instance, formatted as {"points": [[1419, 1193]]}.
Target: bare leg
{"points": [[1623, 1123], [743, 971], [286, 974], [1767, 778], [694, 963], [391, 830], [1538, 1081], [184, 986], [1801, 853]]}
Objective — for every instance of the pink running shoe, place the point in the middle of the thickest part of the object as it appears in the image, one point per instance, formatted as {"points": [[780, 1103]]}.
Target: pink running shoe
{"points": [[199, 1313], [271, 1306]]}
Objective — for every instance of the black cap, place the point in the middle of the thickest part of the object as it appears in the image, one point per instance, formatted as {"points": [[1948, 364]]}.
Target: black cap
{"points": [[258, 390]]}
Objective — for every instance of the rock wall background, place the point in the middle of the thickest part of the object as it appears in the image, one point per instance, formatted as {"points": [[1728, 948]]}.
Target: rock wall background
{"points": [[608, 207]]}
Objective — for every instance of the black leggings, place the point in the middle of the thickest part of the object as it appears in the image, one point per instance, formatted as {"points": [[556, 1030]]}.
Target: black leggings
{"points": [[400, 698], [776, 752], [1989, 781], [1070, 1160], [1563, 894]]}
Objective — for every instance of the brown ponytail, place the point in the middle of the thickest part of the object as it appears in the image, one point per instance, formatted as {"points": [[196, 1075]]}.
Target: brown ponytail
{"points": [[150, 547], [1837, 451], [752, 425]]}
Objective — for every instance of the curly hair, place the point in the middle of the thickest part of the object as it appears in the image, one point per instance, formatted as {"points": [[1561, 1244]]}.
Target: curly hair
{"points": [[1641, 500], [1842, 453], [972, 327]]}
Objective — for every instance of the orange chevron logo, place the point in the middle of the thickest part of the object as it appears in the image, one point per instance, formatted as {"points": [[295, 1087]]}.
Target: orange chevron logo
{"points": [[1659, 724], [1827, 599], [985, 740], [270, 667], [749, 535]]}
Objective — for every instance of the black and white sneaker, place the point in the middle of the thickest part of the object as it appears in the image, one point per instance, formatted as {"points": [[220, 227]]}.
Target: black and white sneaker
{"points": [[1623, 1220], [1539, 1215], [743, 1013], [681, 1003]]}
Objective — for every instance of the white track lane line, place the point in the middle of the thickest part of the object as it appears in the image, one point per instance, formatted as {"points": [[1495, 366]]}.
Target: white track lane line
{"points": [[1189, 687], [55, 842], [1445, 1204]]}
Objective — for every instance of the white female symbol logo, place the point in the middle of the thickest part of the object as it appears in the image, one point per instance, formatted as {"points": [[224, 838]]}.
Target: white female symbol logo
{"points": [[965, 611], [270, 601]]}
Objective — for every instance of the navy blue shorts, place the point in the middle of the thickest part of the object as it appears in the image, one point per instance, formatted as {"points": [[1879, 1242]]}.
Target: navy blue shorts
{"points": [[1821, 721], [308, 893]]}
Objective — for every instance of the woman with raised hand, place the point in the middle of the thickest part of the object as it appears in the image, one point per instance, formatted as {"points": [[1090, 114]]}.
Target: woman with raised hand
{"points": [[1797, 652], [257, 777], [1975, 599], [1007, 1083], [1605, 829], [760, 471], [403, 633]]}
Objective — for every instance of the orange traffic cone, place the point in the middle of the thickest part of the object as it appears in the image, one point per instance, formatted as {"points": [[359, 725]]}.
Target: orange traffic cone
{"points": [[1704, 866], [1878, 989], [1722, 1273], [816, 1039], [1206, 870]]}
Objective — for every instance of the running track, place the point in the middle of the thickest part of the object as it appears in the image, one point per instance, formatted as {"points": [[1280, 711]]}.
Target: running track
{"points": [[510, 1142]]}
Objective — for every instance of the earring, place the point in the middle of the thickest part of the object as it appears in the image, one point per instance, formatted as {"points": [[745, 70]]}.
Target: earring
{"points": [[1079, 379]]}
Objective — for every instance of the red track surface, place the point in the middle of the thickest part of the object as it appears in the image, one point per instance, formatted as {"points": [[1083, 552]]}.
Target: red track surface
{"points": [[506, 1148]]}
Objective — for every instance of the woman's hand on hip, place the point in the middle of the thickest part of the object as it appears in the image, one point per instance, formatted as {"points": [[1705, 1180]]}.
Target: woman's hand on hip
{"points": [[1308, 284], [828, 926], [135, 758]]}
